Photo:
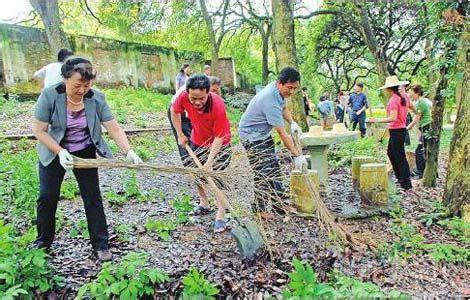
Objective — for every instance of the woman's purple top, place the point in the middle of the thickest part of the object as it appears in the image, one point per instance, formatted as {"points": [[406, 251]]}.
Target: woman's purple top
{"points": [[77, 135]]}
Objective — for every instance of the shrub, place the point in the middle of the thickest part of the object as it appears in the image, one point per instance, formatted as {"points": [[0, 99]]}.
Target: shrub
{"points": [[126, 280], [23, 271], [197, 286]]}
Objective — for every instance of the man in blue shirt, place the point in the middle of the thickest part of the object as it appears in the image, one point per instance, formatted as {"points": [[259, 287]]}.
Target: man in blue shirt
{"points": [[268, 110], [358, 104]]}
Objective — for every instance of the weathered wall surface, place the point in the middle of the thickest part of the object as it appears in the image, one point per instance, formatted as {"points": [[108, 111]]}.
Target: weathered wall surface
{"points": [[24, 50], [226, 72]]}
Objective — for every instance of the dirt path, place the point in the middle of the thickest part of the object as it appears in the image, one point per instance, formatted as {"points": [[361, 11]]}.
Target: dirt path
{"points": [[194, 244]]}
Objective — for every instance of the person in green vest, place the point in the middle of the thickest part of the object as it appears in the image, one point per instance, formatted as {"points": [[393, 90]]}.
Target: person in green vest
{"points": [[423, 118]]}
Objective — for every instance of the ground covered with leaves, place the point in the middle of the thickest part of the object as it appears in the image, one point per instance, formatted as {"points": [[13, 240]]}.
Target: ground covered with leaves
{"points": [[161, 249]]}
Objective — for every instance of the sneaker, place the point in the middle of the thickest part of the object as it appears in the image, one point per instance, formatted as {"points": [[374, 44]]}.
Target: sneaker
{"points": [[219, 226], [104, 255]]}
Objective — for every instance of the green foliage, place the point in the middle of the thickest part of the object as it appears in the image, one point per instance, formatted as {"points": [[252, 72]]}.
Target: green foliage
{"points": [[304, 285], [69, 189], [80, 230], [22, 271], [115, 199], [124, 232], [20, 184], [457, 228], [162, 227], [131, 187], [126, 280], [197, 286], [449, 253], [131, 101], [341, 155], [182, 205], [152, 195]]}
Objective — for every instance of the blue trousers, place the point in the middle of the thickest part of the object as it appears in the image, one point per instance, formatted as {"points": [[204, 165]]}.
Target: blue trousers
{"points": [[361, 119]]}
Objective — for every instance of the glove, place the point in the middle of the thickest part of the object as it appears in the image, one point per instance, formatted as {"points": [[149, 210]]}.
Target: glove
{"points": [[300, 162], [295, 129], [132, 157], [66, 160]]}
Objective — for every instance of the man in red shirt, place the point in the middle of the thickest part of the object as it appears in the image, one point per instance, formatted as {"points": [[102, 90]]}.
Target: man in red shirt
{"points": [[210, 135]]}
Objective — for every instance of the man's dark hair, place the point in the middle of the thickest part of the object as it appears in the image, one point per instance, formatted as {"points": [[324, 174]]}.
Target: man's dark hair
{"points": [[78, 65], [417, 89], [360, 84], [198, 82], [63, 54], [289, 74]]}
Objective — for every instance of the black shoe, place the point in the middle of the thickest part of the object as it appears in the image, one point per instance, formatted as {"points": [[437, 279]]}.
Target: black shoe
{"points": [[41, 245]]}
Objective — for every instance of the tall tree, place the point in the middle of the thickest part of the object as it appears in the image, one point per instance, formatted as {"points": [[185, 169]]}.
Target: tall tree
{"points": [[49, 12], [218, 24], [457, 188], [284, 49], [342, 56], [260, 19], [450, 29]]}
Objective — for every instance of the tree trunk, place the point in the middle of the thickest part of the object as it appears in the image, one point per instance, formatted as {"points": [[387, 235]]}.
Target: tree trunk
{"points": [[457, 187], [284, 49], [430, 172], [365, 30], [265, 54], [49, 12], [212, 37]]}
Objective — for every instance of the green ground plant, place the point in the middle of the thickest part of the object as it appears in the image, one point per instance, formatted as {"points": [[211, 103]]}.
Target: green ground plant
{"points": [[128, 279], [124, 232], [115, 199], [23, 271], [69, 189], [182, 205], [196, 286], [162, 228], [131, 185], [304, 284], [80, 230], [341, 155]]}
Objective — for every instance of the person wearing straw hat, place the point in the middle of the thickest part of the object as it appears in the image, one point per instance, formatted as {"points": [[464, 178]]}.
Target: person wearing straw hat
{"points": [[397, 110], [68, 119], [210, 136]]}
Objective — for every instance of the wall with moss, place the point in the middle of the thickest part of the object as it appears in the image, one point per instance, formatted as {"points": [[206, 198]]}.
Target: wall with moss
{"points": [[24, 50]]}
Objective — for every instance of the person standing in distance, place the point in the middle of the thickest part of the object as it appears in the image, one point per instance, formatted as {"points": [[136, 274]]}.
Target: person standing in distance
{"points": [[51, 74]]}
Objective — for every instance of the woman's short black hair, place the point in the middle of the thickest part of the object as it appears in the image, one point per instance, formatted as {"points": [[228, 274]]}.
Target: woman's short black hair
{"points": [[78, 65], [289, 74], [198, 82], [63, 54]]}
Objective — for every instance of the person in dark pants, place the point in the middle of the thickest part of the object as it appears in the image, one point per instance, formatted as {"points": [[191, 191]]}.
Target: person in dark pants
{"points": [[210, 135], [358, 104], [268, 110], [423, 118], [215, 85], [397, 110], [68, 119]]}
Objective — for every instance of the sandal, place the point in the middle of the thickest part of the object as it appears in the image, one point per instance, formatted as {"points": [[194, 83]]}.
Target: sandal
{"points": [[219, 226], [201, 210]]}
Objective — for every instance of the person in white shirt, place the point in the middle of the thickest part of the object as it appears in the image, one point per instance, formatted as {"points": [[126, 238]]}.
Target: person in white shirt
{"points": [[51, 73]]}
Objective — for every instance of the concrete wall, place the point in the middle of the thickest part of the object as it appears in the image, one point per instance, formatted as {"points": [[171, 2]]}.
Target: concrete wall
{"points": [[25, 50], [226, 72]]}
